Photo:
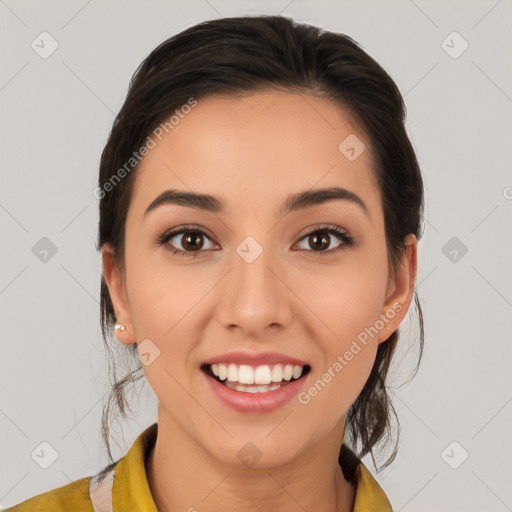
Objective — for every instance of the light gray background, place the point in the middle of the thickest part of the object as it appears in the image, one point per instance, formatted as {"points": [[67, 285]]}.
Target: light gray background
{"points": [[56, 115]]}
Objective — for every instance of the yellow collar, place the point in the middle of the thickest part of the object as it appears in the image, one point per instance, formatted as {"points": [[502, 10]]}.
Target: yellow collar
{"points": [[131, 490]]}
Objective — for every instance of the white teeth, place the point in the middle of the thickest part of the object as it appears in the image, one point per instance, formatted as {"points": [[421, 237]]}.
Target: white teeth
{"points": [[223, 371], [246, 374], [277, 373], [297, 372], [252, 389], [260, 375], [232, 372]]}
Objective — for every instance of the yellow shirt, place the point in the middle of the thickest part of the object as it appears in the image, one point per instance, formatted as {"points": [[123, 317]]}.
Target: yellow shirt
{"points": [[129, 491]]}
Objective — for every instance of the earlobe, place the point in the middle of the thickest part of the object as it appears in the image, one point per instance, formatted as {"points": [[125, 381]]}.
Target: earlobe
{"points": [[116, 289], [402, 290]]}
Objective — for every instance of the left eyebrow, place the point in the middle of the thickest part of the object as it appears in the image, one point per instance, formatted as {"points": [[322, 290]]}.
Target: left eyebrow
{"points": [[294, 202], [314, 197]]}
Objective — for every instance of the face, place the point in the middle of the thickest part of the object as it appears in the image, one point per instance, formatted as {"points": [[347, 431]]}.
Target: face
{"points": [[309, 284]]}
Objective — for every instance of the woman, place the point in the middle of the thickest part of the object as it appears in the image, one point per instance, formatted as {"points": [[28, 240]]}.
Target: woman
{"points": [[260, 207]]}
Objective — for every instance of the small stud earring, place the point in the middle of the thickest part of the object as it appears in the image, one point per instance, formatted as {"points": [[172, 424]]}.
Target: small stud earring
{"points": [[121, 327]]}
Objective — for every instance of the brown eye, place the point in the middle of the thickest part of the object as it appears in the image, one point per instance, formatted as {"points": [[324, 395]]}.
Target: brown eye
{"points": [[187, 241], [319, 241], [192, 241]]}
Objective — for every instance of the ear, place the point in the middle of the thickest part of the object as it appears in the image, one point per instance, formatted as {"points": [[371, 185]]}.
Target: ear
{"points": [[400, 290], [117, 290]]}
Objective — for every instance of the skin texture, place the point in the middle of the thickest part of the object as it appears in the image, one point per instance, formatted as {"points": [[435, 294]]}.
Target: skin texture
{"points": [[252, 153]]}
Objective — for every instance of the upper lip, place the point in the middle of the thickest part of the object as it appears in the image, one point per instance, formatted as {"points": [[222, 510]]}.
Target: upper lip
{"points": [[255, 359]]}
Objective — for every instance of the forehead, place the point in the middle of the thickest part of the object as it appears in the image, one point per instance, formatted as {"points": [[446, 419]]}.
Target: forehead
{"points": [[258, 148]]}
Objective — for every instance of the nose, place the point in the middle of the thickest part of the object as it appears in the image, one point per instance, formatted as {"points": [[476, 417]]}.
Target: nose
{"points": [[255, 296]]}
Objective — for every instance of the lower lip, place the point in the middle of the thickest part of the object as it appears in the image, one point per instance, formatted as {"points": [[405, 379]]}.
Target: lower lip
{"points": [[255, 402]]}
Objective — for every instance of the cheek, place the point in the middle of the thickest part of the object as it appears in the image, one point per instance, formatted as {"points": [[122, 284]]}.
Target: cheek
{"points": [[161, 301], [330, 394], [162, 305], [347, 302], [347, 346], [345, 299], [161, 295]]}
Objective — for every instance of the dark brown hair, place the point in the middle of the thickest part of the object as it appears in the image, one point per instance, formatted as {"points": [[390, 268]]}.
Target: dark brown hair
{"points": [[243, 55]]}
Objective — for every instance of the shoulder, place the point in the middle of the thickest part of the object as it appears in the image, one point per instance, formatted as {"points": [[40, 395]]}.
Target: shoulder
{"points": [[72, 497], [369, 494], [131, 488]]}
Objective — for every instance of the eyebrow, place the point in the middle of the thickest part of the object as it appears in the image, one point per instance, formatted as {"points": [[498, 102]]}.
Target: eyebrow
{"points": [[294, 202]]}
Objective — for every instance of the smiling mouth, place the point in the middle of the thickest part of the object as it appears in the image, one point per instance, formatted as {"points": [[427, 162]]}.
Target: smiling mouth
{"points": [[259, 379]]}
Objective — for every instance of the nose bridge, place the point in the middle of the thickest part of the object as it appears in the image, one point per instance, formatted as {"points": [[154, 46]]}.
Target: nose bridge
{"points": [[254, 297]]}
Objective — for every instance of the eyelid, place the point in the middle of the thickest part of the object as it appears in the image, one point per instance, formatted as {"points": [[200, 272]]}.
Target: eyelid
{"points": [[323, 227], [171, 233], [341, 233]]}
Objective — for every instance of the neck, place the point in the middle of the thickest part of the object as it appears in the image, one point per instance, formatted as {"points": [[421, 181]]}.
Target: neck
{"points": [[182, 476]]}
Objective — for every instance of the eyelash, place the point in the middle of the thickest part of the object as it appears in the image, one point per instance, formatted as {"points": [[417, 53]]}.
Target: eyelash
{"points": [[340, 233]]}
